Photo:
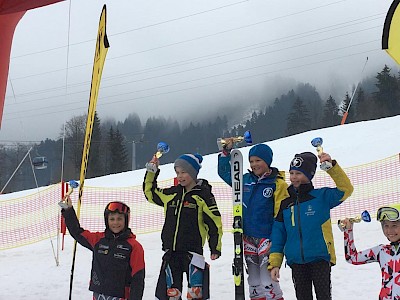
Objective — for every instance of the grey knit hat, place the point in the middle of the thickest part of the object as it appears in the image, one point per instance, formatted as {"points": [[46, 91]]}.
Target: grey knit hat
{"points": [[190, 163]]}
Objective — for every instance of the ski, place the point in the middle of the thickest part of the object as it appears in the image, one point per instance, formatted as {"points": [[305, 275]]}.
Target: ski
{"points": [[237, 197]]}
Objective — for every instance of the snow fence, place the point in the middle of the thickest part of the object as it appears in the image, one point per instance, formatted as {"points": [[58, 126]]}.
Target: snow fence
{"points": [[36, 217]]}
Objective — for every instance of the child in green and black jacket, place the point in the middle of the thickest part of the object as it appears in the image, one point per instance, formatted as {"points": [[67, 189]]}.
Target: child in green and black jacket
{"points": [[191, 217]]}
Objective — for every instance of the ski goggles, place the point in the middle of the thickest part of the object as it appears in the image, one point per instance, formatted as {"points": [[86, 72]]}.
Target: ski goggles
{"points": [[118, 207], [387, 213]]}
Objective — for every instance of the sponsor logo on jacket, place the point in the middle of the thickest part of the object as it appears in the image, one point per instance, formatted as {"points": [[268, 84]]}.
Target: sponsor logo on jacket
{"points": [[310, 211], [268, 192], [103, 249], [187, 204]]}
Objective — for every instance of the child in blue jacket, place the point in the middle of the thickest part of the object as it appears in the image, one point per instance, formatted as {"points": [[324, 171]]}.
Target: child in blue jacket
{"points": [[303, 231], [264, 187]]}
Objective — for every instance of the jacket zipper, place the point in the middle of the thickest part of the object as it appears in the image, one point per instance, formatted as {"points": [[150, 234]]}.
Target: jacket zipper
{"points": [[178, 209], [299, 226]]}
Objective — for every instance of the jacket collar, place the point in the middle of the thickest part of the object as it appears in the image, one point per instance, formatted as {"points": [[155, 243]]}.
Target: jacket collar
{"points": [[122, 235], [272, 175], [303, 189]]}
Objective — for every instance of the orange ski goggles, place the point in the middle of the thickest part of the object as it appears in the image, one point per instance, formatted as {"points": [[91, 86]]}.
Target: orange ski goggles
{"points": [[118, 207]]}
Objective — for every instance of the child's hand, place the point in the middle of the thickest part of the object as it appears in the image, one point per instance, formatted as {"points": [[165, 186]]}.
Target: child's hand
{"points": [[66, 202], [152, 165], [228, 144], [347, 224], [275, 274], [214, 256], [324, 157], [155, 160]]}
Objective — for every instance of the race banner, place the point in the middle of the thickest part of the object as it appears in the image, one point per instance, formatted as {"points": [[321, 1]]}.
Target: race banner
{"points": [[102, 46]]}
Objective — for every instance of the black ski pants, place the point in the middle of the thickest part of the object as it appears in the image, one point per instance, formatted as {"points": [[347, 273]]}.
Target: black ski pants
{"points": [[315, 273]]}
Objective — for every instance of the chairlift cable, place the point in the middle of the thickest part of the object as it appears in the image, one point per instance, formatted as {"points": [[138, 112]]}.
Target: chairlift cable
{"points": [[15, 171]]}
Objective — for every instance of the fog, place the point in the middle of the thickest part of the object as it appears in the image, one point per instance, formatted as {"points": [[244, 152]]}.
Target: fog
{"points": [[185, 59]]}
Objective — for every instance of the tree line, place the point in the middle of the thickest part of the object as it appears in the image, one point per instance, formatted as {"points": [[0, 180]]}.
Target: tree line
{"points": [[129, 144]]}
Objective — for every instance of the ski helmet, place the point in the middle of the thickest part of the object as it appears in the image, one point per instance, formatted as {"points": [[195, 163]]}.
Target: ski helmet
{"points": [[119, 207], [390, 212]]}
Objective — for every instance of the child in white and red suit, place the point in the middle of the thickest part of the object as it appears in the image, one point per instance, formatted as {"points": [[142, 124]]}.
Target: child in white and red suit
{"points": [[388, 256]]}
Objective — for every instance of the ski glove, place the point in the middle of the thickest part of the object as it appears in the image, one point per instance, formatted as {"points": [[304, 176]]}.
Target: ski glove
{"points": [[151, 167]]}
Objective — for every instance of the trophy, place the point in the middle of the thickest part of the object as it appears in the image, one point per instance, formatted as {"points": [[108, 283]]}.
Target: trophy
{"points": [[222, 142], [152, 165], [365, 216], [317, 143], [64, 202], [162, 148]]}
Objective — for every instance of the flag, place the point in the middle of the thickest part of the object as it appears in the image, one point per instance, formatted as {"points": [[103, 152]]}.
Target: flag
{"points": [[391, 32], [98, 64], [102, 46]]}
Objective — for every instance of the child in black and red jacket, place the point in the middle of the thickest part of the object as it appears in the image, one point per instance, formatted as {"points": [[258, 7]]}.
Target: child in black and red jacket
{"points": [[118, 267]]}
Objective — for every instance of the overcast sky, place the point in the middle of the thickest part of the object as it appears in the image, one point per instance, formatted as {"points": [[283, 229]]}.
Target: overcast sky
{"points": [[182, 59]]}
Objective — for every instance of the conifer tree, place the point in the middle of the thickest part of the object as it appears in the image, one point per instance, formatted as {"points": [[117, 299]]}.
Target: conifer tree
{"points": [[330, 117], [298, 120], [74, 139], [118, 153], [363, 106], [95, 158], [387, 96]]}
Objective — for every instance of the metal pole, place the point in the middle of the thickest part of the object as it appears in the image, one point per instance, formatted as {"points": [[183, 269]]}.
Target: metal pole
{"points": [[352, 97], [133, 155]]}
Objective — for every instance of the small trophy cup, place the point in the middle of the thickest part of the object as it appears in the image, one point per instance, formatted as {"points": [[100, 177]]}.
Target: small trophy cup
{"points": [[365, 216], [162, 148], [317, 143], [222, 142], [64, 202]]}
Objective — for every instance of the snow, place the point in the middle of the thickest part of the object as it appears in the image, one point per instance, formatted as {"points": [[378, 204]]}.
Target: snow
{"points": [[31, 271]]}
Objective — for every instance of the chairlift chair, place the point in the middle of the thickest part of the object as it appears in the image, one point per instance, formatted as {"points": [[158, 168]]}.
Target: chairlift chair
{"points": [[40, 162]]}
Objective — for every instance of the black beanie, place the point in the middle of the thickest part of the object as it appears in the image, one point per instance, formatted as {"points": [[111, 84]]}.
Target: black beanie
{"points": [[306, 163]]}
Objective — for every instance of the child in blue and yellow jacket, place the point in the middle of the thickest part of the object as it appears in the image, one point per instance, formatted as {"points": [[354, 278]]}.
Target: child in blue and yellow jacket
{"points": [[264, 187], [303, 231]]}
